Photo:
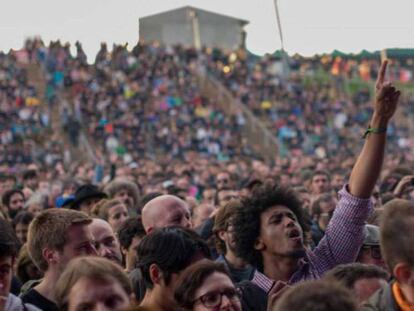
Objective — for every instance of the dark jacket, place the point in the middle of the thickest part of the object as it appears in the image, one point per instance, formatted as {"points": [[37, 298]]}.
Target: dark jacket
{"points": [[253, 297], [382, 300]]}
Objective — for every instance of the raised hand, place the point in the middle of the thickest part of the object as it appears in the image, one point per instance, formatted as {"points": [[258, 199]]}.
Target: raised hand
{"points": [[386, 96], [405, 181], [366, 171]]}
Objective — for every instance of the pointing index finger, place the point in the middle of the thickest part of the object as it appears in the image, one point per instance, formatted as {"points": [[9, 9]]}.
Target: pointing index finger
{"points": [[381, 74]]}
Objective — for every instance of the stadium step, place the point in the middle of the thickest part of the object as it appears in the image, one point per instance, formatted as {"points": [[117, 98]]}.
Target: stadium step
{"points": [[257, 134]]}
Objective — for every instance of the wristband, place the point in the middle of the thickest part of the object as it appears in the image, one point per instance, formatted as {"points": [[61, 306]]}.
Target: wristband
{"points": [[374, 131]]}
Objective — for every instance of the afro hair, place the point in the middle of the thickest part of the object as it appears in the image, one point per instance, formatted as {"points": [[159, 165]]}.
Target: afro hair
{"points": [[246, 221]]}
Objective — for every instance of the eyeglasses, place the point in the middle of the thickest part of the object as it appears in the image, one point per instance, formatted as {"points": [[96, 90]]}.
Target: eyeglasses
{"points": [[214, 299], [375, 251], [224, 181]]}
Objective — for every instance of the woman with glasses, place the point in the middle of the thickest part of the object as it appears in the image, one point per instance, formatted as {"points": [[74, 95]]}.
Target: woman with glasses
{"points": [[207, 285]]}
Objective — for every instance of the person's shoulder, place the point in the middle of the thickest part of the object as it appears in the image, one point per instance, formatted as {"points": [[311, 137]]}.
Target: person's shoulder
{"points": [[28, 286], [29, 294], [381, 300], [252, 296], [14, 303], [35, 298]]}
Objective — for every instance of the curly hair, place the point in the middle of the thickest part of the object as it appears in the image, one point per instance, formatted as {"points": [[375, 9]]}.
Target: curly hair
{"points": [[246, 221]]}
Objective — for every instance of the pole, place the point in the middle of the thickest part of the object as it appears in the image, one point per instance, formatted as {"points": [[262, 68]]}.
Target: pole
{"points": [[279, 25], [196, 29]]}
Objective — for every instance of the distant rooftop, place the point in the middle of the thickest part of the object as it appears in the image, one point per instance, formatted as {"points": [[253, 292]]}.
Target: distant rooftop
{"points": [[186, 8]]}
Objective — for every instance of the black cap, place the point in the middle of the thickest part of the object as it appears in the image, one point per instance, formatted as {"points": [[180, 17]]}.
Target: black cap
{"points": [[83, 193]]}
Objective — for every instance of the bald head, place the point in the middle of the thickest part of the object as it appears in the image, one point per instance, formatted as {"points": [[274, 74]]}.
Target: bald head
{"points": [[165, 211]]}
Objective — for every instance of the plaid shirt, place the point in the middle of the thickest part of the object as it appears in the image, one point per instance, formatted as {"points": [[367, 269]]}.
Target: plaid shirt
{"points": [[340, 245]]}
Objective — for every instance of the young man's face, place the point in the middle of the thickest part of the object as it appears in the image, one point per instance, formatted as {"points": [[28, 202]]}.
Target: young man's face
{"points": [[21, 232], [228, 238], [320, 184], [225, 196], [125, 196], [32, 183], [106, 241], [280, 233], [102, 295], [337, 182], [6, 264], [79, 242], [222, 180], [117, 215]]}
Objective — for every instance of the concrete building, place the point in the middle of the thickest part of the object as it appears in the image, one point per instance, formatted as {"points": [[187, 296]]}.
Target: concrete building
{"points": [[190, 26]]}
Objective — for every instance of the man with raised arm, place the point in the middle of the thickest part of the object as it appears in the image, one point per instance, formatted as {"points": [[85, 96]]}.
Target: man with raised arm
{"points": [[268, 229]]}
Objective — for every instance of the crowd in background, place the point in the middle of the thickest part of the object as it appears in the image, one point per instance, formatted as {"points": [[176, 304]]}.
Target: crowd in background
{"points": [[164, 155], [309, 116]]}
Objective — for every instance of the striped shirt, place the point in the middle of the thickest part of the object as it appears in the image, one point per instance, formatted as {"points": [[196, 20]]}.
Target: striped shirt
{"points": [[340, 245]]}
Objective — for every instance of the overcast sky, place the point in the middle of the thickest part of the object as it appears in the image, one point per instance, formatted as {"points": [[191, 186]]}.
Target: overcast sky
{"points": [[309, 26]]}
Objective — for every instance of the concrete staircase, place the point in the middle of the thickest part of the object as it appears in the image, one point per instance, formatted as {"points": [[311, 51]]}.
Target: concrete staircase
{"points": [[37, 78], [82, 153], [78, 154], [255, 131]]}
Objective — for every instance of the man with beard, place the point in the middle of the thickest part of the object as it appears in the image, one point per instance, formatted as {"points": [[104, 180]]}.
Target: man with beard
{"points": [[268, 228], [223, 229], [106, 242], [319, 183], [126, 191], [322, 211], [13, 200]]}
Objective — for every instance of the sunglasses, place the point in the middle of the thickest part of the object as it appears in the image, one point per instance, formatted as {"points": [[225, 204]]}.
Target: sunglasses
{"points": [[214, 299], [375, 251]]}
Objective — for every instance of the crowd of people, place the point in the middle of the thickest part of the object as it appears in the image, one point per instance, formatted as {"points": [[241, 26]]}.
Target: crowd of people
{"points": [[23, 120], [309, 116], [176, 212]]}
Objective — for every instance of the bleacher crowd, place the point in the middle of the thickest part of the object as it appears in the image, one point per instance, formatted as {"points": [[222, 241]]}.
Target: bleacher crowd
{"points": [[174, 210]]}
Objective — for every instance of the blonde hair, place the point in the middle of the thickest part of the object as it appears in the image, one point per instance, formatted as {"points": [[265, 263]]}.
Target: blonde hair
{"points": [[48, 230], [95, 268], [101, 209]]}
